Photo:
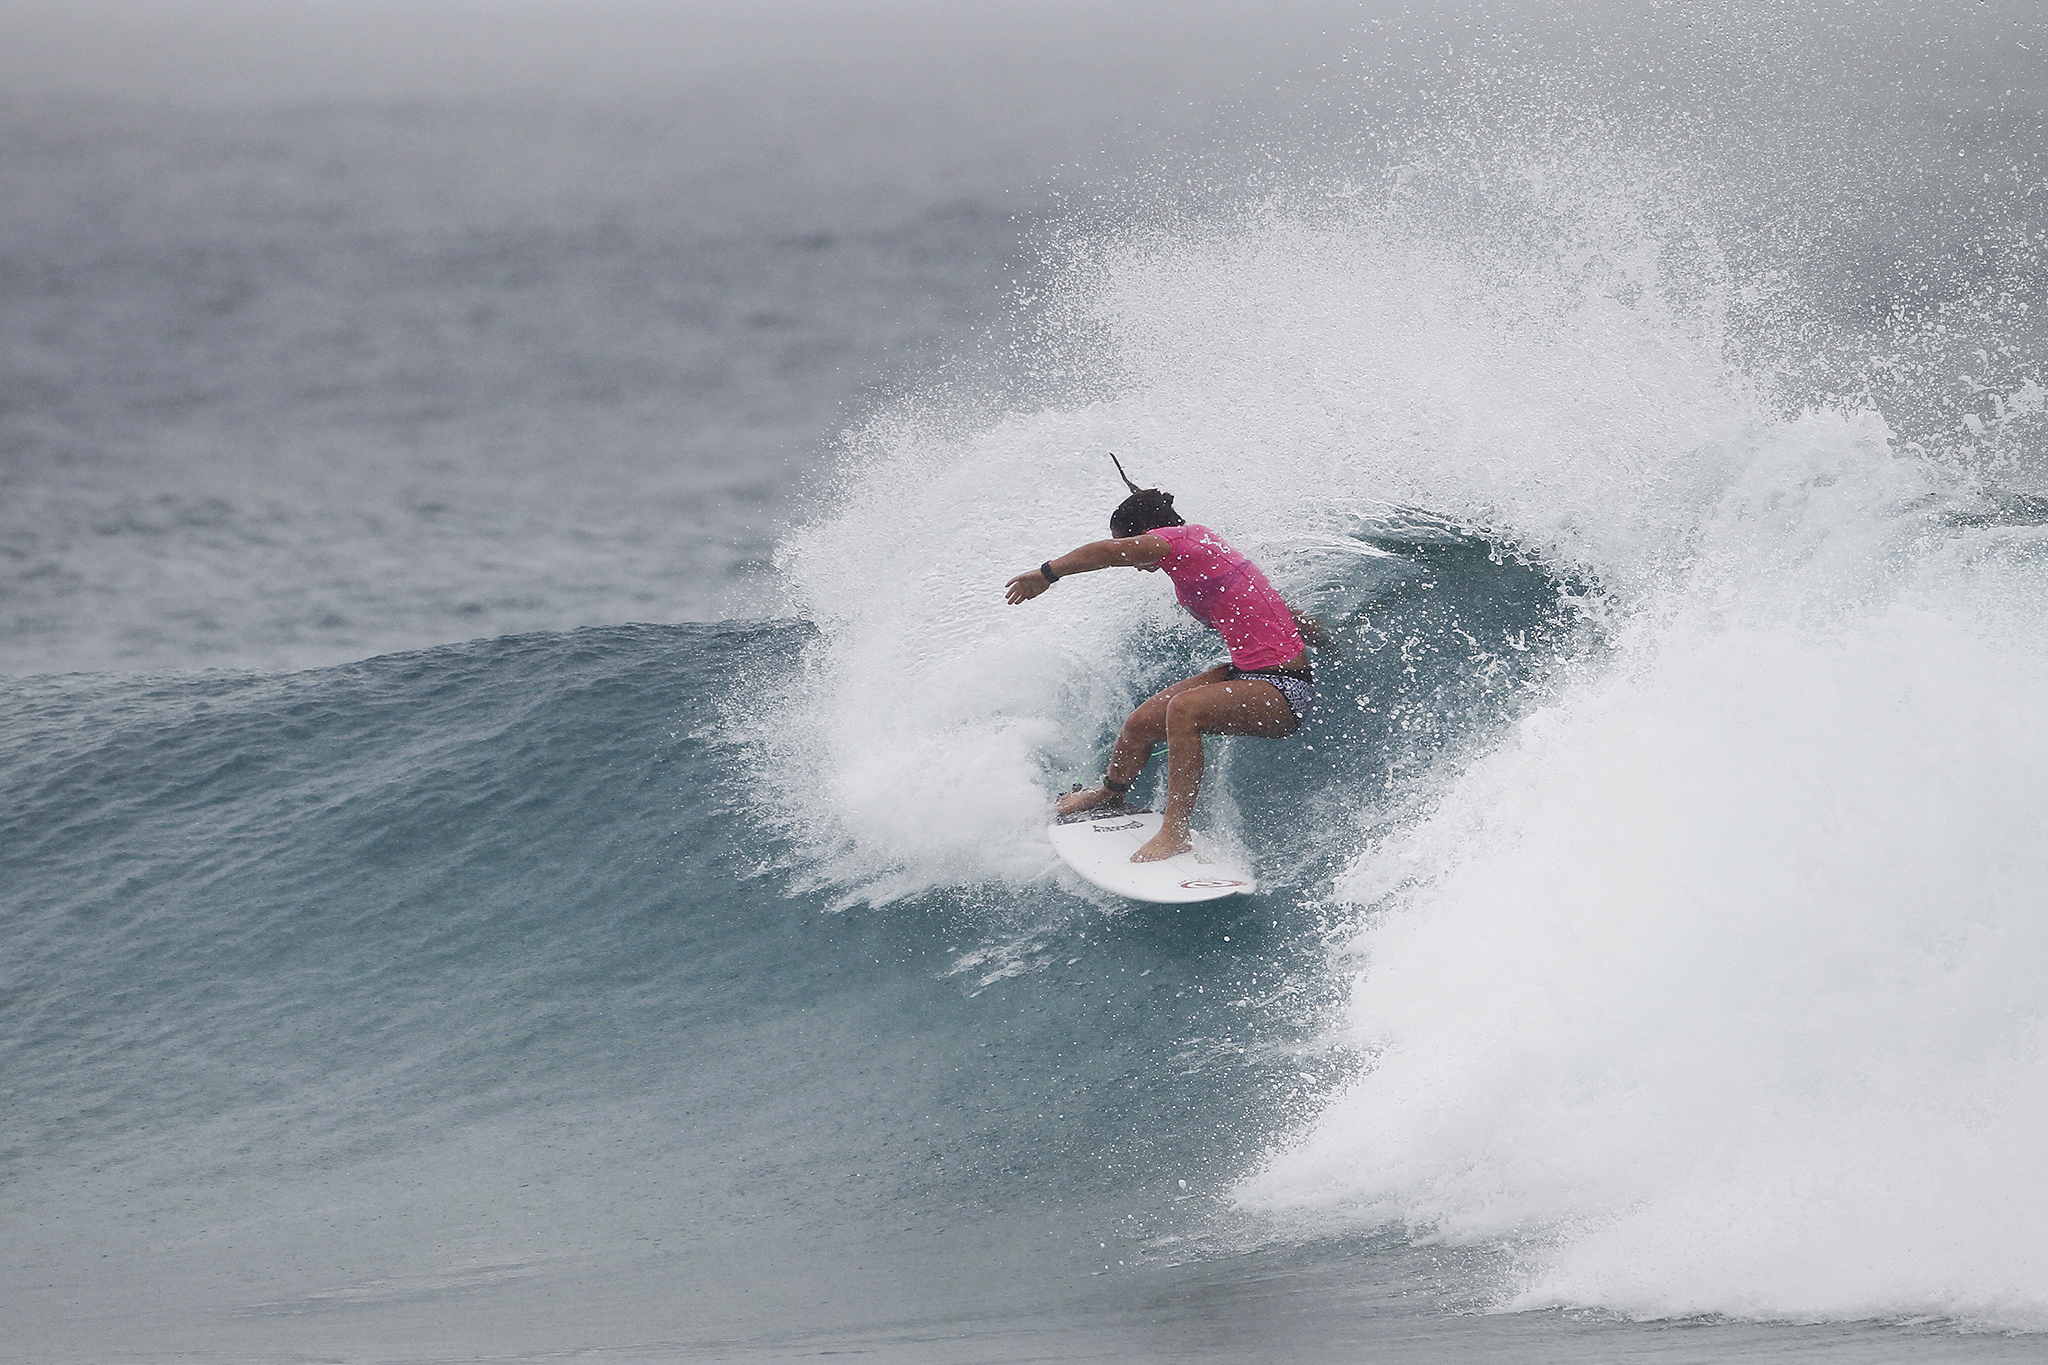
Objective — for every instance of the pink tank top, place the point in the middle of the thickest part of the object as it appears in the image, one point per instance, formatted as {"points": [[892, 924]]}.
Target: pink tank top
{"points": [[1227, 593]]}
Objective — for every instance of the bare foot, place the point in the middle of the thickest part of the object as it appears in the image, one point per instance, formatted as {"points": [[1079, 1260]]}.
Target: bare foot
{"points": [[1087, 800], [1162, 846]]}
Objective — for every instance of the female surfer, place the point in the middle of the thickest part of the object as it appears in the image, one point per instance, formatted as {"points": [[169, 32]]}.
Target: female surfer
{"points": [[1266, 689]]}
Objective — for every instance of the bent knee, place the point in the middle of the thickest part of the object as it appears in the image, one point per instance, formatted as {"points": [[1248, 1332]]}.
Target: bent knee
{"points": [[1149, 713]]}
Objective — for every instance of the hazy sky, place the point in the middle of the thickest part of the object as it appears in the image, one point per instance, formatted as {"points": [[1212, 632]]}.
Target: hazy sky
{"points": [[1163, 61], [261, 50]]}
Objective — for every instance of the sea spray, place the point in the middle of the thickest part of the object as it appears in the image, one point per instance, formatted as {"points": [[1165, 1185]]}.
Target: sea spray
{"points": [[1290, 378], [1716, 988]]}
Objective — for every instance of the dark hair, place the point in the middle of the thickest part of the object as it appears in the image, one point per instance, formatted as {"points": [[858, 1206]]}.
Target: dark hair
{"points": [[1145, 510]]}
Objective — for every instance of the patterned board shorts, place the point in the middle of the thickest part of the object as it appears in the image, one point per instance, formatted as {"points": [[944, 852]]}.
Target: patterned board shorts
{"points": [[1299, 691]]}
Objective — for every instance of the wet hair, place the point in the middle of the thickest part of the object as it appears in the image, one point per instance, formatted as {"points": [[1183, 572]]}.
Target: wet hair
{"points": [[1145, 510]]}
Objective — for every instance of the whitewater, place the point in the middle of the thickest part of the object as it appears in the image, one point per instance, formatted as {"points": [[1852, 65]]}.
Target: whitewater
{"points": [[1710, 984], [486, 879]]}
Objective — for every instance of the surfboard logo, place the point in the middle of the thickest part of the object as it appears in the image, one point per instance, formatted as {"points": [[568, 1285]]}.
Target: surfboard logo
{"points": [[1128, 824], [1209, 883]]}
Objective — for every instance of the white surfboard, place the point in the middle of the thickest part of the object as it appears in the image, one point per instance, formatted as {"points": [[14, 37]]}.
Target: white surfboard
{"points": [[1099, 847]]}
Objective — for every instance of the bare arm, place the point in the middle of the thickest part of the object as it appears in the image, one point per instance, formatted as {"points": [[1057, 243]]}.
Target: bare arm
{"points": [[1132, 552], [1314, 633]]}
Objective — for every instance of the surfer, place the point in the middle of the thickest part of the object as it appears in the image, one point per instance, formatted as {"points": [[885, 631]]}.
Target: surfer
{"points": [[1266, 689]]}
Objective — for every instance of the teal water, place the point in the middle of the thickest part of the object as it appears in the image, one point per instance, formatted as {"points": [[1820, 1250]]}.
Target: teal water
{"points": [[460, 993]]}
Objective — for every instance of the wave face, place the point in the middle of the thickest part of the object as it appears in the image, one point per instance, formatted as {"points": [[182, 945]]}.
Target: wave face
{"points": [[385, 1001]]}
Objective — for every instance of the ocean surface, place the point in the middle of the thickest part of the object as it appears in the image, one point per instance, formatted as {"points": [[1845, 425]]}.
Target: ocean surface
{"points": [[521, 804]]}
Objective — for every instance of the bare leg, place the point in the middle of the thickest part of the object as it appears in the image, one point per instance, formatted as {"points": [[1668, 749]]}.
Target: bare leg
{"points": [[1245, 707], [1135, 742]]}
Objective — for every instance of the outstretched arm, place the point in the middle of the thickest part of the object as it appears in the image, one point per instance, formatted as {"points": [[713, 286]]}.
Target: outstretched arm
{"points": [[1132, 551]]}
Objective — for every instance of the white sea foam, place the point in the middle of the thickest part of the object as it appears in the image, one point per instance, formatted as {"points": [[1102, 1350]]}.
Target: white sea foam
{"points": [[1723, 978], [1717, 988]]}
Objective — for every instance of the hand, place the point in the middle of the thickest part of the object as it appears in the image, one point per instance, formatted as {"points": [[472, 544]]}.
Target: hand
{"points": [[1024, 587]]}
